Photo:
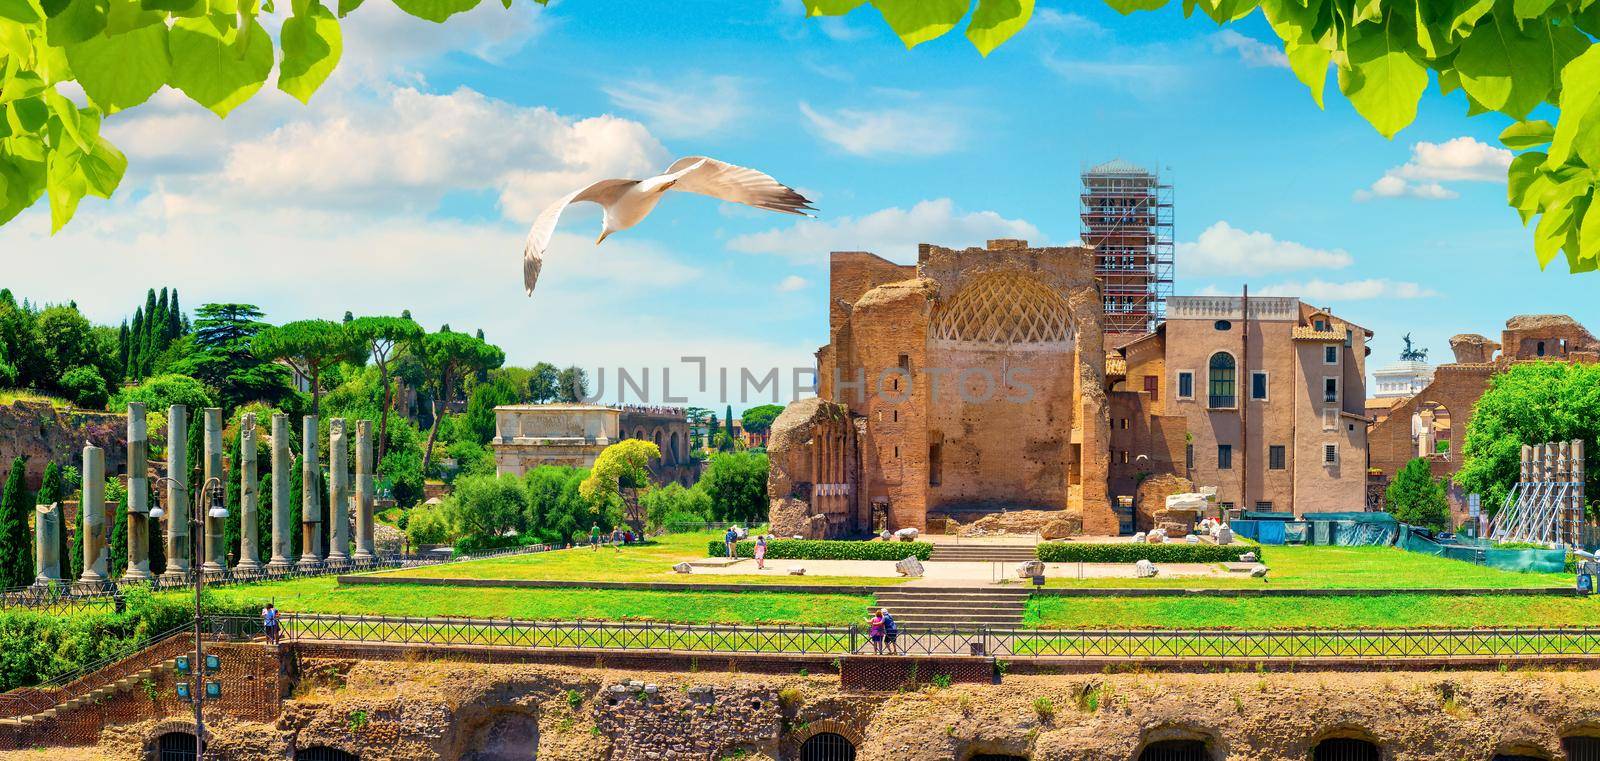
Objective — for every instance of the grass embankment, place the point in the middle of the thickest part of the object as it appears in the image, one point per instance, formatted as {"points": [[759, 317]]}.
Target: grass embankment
{"points": [[1375, 612], [1300, 567], [652, 561], [324, 595]]}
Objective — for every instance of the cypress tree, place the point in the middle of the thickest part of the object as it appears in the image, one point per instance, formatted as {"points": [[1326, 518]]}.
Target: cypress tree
{"points": [[155, 332], [131, 368], [727, 425], [296, 499], [117, 555], [264, 517], [122, 349], [16, 542], [231, 533], [174, 321], [146, 352]]}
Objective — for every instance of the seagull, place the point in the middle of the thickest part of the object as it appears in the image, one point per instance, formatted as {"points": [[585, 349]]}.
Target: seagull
{"points": [[627, 202]]}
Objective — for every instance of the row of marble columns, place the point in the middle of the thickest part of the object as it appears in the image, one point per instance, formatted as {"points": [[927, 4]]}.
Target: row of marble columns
{"points": [[214, 552]]}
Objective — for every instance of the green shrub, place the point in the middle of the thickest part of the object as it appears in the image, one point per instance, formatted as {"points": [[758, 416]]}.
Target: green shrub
{"points": [[1070, 552], [826, 549]]}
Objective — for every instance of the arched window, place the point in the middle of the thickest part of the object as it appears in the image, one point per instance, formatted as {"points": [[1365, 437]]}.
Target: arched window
{"points": [[1221, 379], [828, 746], [1175, 750], [176, 746], [675, 452], [324, 753], [1581, 748], [1539, 349], [1344, 749]]}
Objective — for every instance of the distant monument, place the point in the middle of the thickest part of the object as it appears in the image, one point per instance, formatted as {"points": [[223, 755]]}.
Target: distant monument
{"points": [[1412, 354]]}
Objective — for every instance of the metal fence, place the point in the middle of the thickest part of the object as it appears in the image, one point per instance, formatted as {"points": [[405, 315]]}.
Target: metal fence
{"points": [[64, 686], [976, 640]]}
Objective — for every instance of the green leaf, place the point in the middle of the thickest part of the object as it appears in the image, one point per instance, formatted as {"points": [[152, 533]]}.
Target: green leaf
{"points": [[346, 6], [103, 168], [1521, 178], [1588, 237], [28, 114], [1530, 9], [1126, 7], [1551, 233], [1528, 134], [66, 187], [81, 20], [995, 21], [24, 172], [122, 70], [435, 10], [22, 11], [311, 48], [1465, 15], [128, 15], [1310, 65], [917, 21], [1580, 83], [171, 6], [1587, 143], [1503, 69], [831, 7], [23, 84], [1222, 11], [66, 113], [207, 67], [1385, 79]]}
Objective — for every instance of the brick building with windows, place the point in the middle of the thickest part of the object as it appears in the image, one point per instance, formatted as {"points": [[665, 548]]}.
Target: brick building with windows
{"points": [[984, 380]]}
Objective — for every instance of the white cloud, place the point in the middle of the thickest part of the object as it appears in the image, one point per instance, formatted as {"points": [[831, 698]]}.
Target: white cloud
{"points": [[906, 131], [1252, 51], [792, 283], [1223, 249], [382, 42], [1319, 291], [1062, 21], [891, 233], [1131, 72], [1461, 159], [693, 106], [408, 150]]}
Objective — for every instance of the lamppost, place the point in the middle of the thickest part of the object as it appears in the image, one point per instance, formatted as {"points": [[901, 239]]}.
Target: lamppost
{"points": [[214, 488]]}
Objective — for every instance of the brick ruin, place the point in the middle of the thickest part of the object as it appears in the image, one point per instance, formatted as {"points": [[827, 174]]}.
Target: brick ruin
{"points": [[1393, 438], [984, 380], [401, 706]]}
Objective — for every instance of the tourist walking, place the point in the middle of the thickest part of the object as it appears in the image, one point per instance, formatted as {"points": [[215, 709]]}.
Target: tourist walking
{"points": [[761, 552], [875, 632], [616, 538], [891, 631], [594, 537], [269, 623], [730, 539]]}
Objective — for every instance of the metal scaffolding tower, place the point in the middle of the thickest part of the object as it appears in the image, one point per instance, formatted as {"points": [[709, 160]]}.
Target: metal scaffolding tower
{"points": [[1127, 217], [1546, 505]]}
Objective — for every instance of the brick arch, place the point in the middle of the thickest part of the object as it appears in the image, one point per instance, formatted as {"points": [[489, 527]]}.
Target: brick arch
{"points": [[1182, 732], [1348, 731], [1457, 387], [152, 736], [848, 730]]}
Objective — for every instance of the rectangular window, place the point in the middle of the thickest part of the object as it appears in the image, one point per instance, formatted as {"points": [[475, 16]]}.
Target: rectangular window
{"points": [[1258, 386], [1186, 385], [1330, 454], [1188, 456], [1275, 457], [1152, 386], [1320, 325], [1265, 507], [1123, 424], [935, 471], [1124, 457], [1330, 355], [1349, 338], [1224, 456], [1330, 389]]}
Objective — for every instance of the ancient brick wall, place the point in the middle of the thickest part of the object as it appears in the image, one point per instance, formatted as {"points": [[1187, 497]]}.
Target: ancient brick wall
{"points": [[44, 434]]}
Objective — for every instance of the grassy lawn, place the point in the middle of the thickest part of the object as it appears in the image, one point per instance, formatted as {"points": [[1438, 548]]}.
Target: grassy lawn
{"points": [[647, 562], [1379, 611], [1300, 567], [324, 595]]}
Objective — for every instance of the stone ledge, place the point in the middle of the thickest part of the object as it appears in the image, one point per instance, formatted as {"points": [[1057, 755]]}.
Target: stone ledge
{"points": [[640, 586], [1281, 592]]}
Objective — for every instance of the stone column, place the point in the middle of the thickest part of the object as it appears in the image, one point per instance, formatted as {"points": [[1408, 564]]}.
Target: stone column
{"points": [[177, 491], [282, 554], [310, 499], [338, 494], [1578, 493], [1527, 463], [366, 551], [92, 516], [138, 495], [249, 533], [47, 544], [216, 554]]}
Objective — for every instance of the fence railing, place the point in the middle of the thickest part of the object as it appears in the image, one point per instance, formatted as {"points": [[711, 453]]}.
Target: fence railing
{"points": [[954, 640], [64, 686]]}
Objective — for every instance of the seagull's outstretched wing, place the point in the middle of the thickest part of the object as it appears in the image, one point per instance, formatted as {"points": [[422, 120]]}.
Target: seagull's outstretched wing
{"points": [[604, 192], [730, 182]]}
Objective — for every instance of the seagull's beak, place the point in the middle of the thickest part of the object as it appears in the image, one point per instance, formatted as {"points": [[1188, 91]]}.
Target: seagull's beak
{"points": [[603, 234]]}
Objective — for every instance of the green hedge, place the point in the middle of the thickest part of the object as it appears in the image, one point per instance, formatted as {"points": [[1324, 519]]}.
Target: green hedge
{"points": [[1071, 552], [826, 549]]}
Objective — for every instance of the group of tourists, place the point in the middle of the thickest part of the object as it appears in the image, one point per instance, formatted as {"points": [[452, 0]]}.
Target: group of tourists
{"points": [[730, 540], [618, 537], [884, 633]]}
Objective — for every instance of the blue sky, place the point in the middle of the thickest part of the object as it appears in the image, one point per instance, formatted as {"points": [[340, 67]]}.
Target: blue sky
{"points": [[410, 180]]}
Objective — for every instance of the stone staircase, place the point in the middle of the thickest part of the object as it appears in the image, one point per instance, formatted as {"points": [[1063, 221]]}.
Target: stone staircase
{"points": [[96, 695], [917, 606], [978, 552]]}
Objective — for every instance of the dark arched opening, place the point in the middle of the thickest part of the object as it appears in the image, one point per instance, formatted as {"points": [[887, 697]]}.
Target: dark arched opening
{"points": [[176, 746], [1345, 749], [828, 746], [324, 753], [1581, 748], [1516, 757], [1175, 750], [504, 736]]}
